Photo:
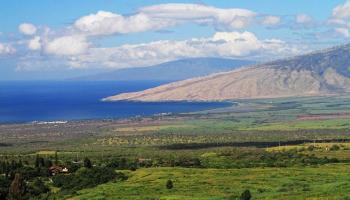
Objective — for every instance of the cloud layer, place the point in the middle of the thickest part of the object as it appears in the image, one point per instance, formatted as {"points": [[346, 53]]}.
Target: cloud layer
{"points": [[222, 44], [161, 16], [75, 45]]}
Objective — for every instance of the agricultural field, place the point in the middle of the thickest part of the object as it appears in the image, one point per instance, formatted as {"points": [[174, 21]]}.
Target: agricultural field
{"points": [[288, 148]]}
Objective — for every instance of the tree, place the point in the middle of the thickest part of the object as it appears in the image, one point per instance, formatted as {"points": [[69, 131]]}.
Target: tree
{"points": [[39, 161], [87, 163], [17, 188], [246, 195], [4, 187], [48, 163], [169, 184], [38, 187], [56, 158]]}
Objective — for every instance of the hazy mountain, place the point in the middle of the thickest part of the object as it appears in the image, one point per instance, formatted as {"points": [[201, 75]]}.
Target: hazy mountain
{"points": [[172, 71], [319, 73]]}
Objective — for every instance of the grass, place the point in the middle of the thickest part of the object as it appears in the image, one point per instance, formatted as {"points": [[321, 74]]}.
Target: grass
{"points": [[324, 182], [331, 124], [149, 128], [319, 146], [43, 152]]}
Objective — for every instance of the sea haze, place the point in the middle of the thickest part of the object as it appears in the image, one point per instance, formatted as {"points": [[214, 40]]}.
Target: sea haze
{"points": [[28, 101]]}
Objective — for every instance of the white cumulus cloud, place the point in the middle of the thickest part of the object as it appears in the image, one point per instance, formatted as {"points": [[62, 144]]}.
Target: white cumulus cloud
{"points": [[303, 19], [343, 31], [342, 11], [67, 45], [230, 18], [107, 23], [6, 49], [161, 16], [34, 43], [271, 20], [27, 29], [340, 19]]}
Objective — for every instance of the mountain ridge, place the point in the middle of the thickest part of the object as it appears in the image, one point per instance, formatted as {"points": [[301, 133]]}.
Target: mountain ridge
{"points": [[324, 72], [173, 70]]}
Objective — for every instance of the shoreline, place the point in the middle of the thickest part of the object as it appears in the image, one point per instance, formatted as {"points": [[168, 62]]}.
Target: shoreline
{"points": [[226, 104]]}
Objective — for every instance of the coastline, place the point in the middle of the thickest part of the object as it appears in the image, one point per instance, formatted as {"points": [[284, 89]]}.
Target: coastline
{"points": [[224, 104]]}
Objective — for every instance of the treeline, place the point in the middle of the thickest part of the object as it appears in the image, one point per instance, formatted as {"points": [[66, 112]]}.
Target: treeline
{"points": [[243, 158], [262, 144]]}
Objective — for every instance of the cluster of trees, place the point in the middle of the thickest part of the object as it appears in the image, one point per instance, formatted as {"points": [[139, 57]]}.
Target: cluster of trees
{"points": [[20, 180], [6, 167], [86, 178], [30, 181], [20, 188]]}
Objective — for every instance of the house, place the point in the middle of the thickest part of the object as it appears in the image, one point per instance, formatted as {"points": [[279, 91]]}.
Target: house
{"points": [[57, 170], [65, 170]]}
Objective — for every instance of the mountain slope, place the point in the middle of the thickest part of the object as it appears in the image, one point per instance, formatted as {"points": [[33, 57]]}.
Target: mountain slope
{"points": [[172, 71], [319, 73]]}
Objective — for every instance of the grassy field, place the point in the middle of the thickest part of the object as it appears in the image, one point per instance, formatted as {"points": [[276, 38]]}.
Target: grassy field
{"points": [[288, 148], [323, 182]]}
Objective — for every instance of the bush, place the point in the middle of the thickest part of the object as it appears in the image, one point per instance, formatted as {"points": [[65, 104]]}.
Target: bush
{"points": [[334, 147], [87, 163], [169, 184], [246, 195], [311, 148]]}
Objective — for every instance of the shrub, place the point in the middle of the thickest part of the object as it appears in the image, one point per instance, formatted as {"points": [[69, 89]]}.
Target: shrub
{"points": [[334, 147], [246, 195], [169, 184], [87, 163], [311, 148]]}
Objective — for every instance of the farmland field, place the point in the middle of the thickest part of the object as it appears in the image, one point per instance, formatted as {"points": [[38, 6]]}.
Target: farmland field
{"points": [[288, 148]]}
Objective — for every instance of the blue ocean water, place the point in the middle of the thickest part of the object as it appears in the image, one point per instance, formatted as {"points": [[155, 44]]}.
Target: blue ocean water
{"points": [[27, 101]]}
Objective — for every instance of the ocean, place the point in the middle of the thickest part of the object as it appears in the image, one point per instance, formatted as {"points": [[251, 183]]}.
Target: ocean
{"points": [[44, 101]]}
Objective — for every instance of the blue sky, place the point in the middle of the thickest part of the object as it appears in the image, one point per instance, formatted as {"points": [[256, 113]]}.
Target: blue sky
{"points": [[60, 39]]}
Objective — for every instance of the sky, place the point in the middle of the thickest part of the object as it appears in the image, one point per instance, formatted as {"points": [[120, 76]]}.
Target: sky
{"points": [[48, 39]]}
